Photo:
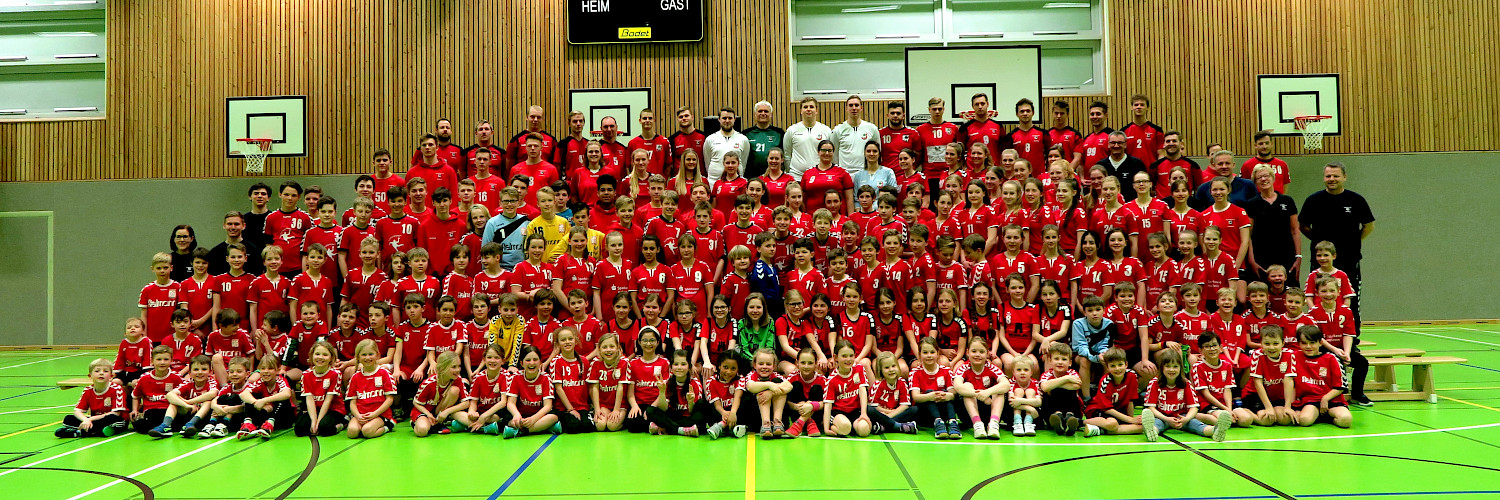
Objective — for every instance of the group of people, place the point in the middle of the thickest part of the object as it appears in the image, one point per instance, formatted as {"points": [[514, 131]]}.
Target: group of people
{"points": [[813, 281]]}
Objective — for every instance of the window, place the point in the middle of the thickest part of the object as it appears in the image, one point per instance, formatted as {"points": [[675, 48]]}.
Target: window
{"points": [[52, 60], [843, 47]]}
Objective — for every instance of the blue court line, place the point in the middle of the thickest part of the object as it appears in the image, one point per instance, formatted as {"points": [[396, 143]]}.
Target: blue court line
{"points": [[1480, 367], [27, 394], [1339, 495], [517, 473]]}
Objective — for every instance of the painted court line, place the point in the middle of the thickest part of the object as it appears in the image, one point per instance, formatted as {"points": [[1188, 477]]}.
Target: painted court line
{"points": [[48, 424], [38, 391], [35, 409], [55, 457], [1478, 330], [42, 361], [750, 469], [151, 468], [517, 474], [1446, 337], [1096, 443]]}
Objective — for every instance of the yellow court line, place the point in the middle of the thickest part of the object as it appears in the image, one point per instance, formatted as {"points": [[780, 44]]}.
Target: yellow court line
{"points": [[750, 467], [1468, 388], [1456, 400], [49, 424]]}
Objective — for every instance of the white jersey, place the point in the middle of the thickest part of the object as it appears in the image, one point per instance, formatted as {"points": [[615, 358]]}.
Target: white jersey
{"points": [[850, 141], [716, 145], [801, 146]]}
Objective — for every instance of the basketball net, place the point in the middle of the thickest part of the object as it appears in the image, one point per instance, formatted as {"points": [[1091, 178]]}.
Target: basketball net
{"points": [[254, 151], [1312, 128]]}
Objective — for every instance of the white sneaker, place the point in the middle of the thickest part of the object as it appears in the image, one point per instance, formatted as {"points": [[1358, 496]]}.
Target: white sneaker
{"points": [[1148, 422], [1030, 428], [739, 431], [979, 431], [1221, 427], [994, 429], [1091, 430]]}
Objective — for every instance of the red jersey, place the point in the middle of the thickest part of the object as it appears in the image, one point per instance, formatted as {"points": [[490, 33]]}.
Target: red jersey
{"points": [[1316, 377], [323, 387], [1221, 272], [449, 155], [1058, 269], [807, 283], [691, 283], [1171, 401], [1143, 141], [1335, 324], [1187, 327], [989, 132], [541, 174], [1254, 323], [305, 288], [1031, 145], [950, 334], [950, 276], [934, 141], [1002, 266], [532, 277], [133, 356], [668, 233], [1117, 396], [183, 349], [1160, 278], [488, 391], [610, 280], [192, 390], [653, 280], [413, 343], [570, 374], [659, 148], [234, 293], [890, 396], [236, 345], [382, 186], [610, 380], [397, 235], [111, 400], [569, 155], [1068, 137], [648, 378], [711, 247], [152, 390], [1232, 335], [1218, 380], [981, 378], [287, 230], [198, 296], [430, 393], [735, 235], [491, 285], [1181, 221], [348, 242], [438, 237], [369, 390], [443, 338], [1161, 174], [923, 381], [1273, 372], [487, 192], [798, 333], [1128, 325], [1193, 270], [1127, 269], [1095, 146], [1345, 290], [515, 149], [817, 182], [1018, 323], [159, 301], [429, 288], [1054, 322], [539, 333], [1162, 331], [575, 273], [329, 237], [737, 288], [1092, 278], [857, 330], [1229, 220], [724, 192], [843, 389], [682, 142], [1293, 323], [363, 289]]}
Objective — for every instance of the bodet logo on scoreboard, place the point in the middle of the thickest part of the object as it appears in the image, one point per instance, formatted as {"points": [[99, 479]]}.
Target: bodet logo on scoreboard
{"points": [[635, 33]]}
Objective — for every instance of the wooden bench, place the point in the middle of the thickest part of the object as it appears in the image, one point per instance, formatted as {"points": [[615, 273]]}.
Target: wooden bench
{"points": [[1366, 343], [1421, 377], [74, 382], [1392, 353], [1385, 375]]}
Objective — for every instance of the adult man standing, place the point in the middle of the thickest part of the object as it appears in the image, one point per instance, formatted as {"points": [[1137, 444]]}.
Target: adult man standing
{"points": [[654, 143], [980, 128], [1095, 145], [763, 136], [1030, 142], [1341, 217], [1221, 164], [1121, 165], [1143, 139], [484, 138], [609, 143], [896, 136], [431, 168], [936, 135], [687, 137], [447, 152], [569, 155], [1064, 135], [802, 138], [1263, 157], [515, 149], [234, 231], [849, 137], [725, 140], [1161, 170]]}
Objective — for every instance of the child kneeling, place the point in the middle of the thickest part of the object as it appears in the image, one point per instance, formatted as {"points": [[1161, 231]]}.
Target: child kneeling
{"points": [[1171, 402]]}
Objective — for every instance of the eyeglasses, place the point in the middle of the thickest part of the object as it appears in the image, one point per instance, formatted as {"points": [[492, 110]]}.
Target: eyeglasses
{"points": [[794, 303]]}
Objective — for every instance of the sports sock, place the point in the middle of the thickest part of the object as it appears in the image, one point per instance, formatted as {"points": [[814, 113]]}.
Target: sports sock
{"points": [[194, 421], [1016, 421], [166, 421], [1026, 420], [976, 419]]}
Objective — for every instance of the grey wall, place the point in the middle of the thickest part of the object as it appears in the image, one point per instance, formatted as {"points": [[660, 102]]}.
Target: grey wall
{"points": [[1420, 263]]}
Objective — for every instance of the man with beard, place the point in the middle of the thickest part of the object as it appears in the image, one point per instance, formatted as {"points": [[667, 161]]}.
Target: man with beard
{"points": [[896, 136], [484, 138], [234, 230], [515, 149], [1161, 170], [448, 153]]}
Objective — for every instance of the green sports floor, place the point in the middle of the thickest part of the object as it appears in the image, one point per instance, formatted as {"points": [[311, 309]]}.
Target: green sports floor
{"points": [[1447, 450]]}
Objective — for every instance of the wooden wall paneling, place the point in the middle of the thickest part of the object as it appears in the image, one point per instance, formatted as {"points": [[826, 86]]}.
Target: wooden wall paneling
{"points": [[379, 75]]}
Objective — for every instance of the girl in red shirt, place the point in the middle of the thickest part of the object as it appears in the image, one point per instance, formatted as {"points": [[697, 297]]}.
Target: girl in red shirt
{"points": [[1172, 403], [530, 398], [1022, 326], [891, 398], [648, 372], [1123, 266], [443, 396], [1222, 272], [1090, 274], [569, 372], [623, 326], [888, 329], [717, 333], [1055, 319], [651, 277], [950, 330], [488, 388], [608, 378], [846, 398], [981, 316], [917, 316]]}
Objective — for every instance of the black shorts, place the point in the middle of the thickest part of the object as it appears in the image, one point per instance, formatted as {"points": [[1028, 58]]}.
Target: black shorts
{"points": [[851, 415], [1251, 402], [1132, 357], [1331, 405], [127, 376], [389, 424]]}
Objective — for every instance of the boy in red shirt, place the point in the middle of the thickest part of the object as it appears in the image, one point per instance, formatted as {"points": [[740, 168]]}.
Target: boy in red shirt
{"points": [[1213, 378], [326, 233], [287, 227], [229, 342], [313, 285], [232, 290], [159, 299], [133, 358], [1340, 336], [441, 231], [398, 232], [1320, 382], [1273, 378], [148, 401], [184, 342], [193, 397], [101, 408], [1112, 410]]}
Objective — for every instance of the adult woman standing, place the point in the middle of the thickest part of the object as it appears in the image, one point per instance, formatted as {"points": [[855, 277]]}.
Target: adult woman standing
{"points": [[824, 177], [776, 177], [182, 244], [874, 174], [1274, 233]]}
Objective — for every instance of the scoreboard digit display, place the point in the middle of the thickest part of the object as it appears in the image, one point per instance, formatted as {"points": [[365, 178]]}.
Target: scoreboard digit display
{"points": [[634, 21]]}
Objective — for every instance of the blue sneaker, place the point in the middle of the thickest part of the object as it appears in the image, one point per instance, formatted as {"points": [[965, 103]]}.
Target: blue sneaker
{"points": [[160, 431], [939, 429], [556, 428], [491, 428], [189, 430], [510, 432]]}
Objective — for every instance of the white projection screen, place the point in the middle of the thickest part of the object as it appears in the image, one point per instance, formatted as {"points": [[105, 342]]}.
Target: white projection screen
{"points": [[1007, 74]]}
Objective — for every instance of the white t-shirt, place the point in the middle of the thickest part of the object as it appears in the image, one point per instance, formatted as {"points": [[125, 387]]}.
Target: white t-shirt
{"points": [[851, 141], [716, 145], [801, 146]]}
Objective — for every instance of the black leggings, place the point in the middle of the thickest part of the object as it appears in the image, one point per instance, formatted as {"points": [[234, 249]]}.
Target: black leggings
{"points": [[280, 411], [1359, 368], [97, 428], [152, 418], [1060, 401], [933, 410], [329, 425], [575, 425], [700, 416], [888, 424]]}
